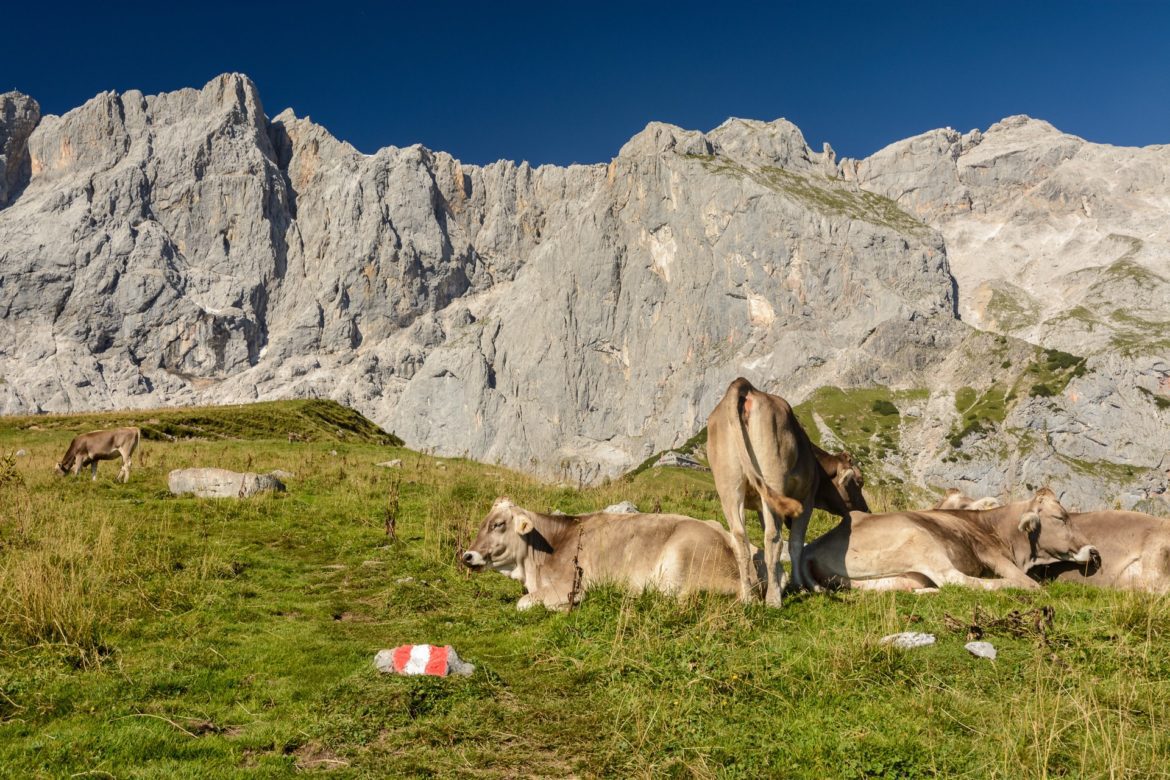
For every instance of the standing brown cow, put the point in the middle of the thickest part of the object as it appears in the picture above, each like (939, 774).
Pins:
(87, 449)
(761, 457)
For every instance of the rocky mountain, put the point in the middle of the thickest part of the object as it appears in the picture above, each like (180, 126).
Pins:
(186, 248)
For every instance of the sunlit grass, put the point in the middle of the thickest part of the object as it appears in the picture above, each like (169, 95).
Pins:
(146, 635)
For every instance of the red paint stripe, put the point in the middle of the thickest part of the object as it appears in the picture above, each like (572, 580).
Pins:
(437, 663)
(401, 657)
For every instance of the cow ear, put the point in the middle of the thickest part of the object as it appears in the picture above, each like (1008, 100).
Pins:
(1030, 522)
(522, 523)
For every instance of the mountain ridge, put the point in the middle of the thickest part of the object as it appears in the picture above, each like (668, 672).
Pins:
(565, 320)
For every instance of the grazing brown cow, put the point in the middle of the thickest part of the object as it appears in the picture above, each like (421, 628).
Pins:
(923, 550)
(762, 459)
(87, 449)
(1135, 552)
(558, 557)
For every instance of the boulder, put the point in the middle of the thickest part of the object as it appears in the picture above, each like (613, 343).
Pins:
(624, 508)
(221, 483)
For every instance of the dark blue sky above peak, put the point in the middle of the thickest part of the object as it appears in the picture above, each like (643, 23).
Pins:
(553, 82)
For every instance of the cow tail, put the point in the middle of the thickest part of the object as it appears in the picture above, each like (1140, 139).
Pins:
(783, 506)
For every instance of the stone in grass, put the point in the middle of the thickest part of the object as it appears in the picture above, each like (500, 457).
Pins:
(390, 464)
(981, 649)
(221, 483)
(908, 640)
(422, 659)
(624, 508)
(21, 453)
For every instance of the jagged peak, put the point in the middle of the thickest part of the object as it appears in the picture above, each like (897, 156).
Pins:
(1017, 121)
(660, 137)
(778, 142)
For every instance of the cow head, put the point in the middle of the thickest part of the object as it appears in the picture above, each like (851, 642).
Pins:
(849, 482)
(1045, 522)
(500, 543)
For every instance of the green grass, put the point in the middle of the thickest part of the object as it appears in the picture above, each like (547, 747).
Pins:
(311, 419)
(143, 635)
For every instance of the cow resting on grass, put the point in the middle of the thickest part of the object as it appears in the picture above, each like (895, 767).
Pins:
(558, 557)
(1135, 552)
(87, 449)
(925, 550)
(761, 458)
(954, 499)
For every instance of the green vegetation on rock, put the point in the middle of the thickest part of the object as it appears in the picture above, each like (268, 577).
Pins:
(979, 412)
(1049, 373)
(867, 421)
(1011, 307)
(822, 194)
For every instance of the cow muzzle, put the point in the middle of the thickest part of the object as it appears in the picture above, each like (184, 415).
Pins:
(1088, 554)
(473, 560)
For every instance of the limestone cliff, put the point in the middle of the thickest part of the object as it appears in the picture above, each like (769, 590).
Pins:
(185, 248)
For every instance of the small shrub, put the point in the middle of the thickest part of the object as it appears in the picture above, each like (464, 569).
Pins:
(1041, 390)
(884, 408)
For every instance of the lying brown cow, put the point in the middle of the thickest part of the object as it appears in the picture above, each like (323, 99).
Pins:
(762, 459)
(87, 449)
(1135, 552)
(921, 550)
(670, 553)
(954, 499)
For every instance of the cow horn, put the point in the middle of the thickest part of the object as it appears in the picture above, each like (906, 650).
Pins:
(1030, 522)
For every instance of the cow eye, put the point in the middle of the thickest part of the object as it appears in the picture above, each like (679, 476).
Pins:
(498, 525)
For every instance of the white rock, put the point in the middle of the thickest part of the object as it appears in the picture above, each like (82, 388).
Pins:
(413, 660)
(20, 453)
(221, 483)
(391, 464)
(624, 508)
(908, 640)
(981, 649)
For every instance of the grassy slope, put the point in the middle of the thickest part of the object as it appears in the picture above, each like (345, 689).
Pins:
(147, 636)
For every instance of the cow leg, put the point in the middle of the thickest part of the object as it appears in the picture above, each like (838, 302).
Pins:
(796, 547)
(902, 582)
(773, 541)
(734, 512)
(124, 474)
(1012, 576)
(93, 471)
(956, 577)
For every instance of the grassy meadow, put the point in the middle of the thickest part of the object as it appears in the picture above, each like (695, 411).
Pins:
(143, 635)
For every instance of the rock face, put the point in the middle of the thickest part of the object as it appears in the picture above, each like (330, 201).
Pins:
(221, 483)
(19, 115)
(186, 248)
(1050, 237)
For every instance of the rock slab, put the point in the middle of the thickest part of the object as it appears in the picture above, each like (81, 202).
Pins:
(221, 483)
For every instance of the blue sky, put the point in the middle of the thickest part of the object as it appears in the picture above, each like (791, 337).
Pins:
(556, 82)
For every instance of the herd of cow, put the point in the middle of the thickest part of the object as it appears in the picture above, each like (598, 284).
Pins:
(762, 459)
